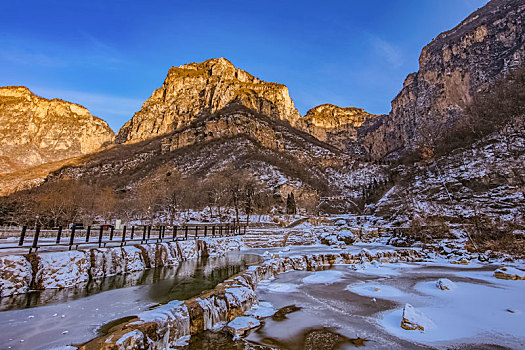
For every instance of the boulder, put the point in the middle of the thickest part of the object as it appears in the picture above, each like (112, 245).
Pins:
(415, 320)
(262, 310)
(445, 284)
(15, 275)
(509, 273)
(241, 325)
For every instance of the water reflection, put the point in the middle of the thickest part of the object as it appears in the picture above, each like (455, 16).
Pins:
(180, 282)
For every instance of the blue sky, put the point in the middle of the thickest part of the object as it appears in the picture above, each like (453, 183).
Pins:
(110, 55)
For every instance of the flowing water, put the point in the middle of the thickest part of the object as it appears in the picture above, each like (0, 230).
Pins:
(51, 318)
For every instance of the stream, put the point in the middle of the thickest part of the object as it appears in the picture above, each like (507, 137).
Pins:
(56, 318)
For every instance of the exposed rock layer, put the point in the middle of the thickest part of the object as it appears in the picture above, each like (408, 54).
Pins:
(454, 66)
(196, 88)
(333, 124)
(35, 130)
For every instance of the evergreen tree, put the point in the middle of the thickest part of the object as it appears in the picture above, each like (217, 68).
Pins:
(290, 204)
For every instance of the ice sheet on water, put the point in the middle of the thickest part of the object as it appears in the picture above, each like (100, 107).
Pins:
(281, 287)
(324, 277)
(374, 290)
(472, 309)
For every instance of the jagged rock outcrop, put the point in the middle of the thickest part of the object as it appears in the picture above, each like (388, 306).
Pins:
(453, 67)
(196, 88)
(35, 130)
(333, 124)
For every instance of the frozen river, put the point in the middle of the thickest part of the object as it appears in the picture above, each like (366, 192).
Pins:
(481, 312)
(56, 318)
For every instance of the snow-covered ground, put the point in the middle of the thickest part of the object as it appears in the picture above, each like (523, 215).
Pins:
(367, 301)
(367, 298)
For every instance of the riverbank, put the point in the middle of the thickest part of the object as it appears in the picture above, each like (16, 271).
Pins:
(165, 326)
(21, 273)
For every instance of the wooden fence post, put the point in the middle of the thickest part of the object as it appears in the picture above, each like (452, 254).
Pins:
(88, 232)
(72, 237)
(196, 231)
(111, 232)
(213, 230)
(175, 232)
(132, 231)
(35, 239)
(205, 230)
(143, 234)
(186, 232)
(123, 236)
(149, 232)
(22, 236)
(100, 232)
(59, 234)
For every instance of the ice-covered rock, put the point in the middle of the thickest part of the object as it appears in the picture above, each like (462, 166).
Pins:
(346, 235)
(262, 310)
(445, 284)
(133, 259)
(63, 269)
(15, 275)
(106, 262)
(415, 320)
(462, 261)
(509, 273)
(241, 325)
(340, 222)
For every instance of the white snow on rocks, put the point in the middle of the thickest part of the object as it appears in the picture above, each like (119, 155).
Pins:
(241, 324)
(509, 273)
(325, 277)
(445, 284)
(63, 269)
(415, 320)
(71, 268)
(15, 275)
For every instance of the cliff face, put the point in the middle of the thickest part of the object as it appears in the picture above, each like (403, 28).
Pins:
(453, 67)
(196, 88)
(332, 124)
(234, 138)
(34, 130)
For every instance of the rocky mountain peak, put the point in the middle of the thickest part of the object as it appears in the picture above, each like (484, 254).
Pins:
(196, 88)
(35, 130)
(333, 124)
(455, 66)
(331, 116)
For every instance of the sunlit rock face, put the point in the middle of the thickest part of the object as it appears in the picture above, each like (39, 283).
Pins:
(454, 66)
(196, 88)
(333, 124)
(35, 130)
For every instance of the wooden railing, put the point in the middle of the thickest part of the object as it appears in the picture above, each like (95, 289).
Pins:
(103, 235)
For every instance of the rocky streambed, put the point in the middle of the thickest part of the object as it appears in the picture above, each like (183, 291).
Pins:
(165, 326)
